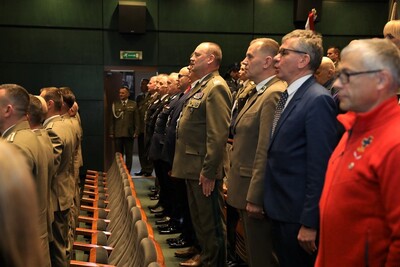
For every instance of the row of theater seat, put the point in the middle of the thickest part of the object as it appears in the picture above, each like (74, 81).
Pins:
(114, 230)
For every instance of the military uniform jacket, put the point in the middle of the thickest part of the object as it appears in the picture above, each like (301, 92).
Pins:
(53, 160)
(143, 102)
(125, 120)
(202, 130)
(26, 141)
(251, 138)
(77, 133)
(63, 186)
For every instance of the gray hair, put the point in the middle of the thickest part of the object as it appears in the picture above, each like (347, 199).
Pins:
(310, 43)
(377, 54)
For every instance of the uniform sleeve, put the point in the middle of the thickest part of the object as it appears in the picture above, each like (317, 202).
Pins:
(136, 120)
(58, 147)
(218, 111)
(255, 193)
(321, 140)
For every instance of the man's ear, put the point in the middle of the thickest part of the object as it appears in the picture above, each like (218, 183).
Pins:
(8, 111)
(268, 61)
(304, 61)
(385, 80)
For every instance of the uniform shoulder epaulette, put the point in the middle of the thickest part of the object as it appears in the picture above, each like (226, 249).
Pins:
(50, 125)
(217, 82)
(11, 137)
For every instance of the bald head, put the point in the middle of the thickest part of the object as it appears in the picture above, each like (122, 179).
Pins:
(325, 71)
(206, 58)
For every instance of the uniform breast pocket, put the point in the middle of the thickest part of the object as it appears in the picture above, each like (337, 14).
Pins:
(246, 172)
(194, 103)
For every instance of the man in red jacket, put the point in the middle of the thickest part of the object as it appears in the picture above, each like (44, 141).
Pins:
(360, 203)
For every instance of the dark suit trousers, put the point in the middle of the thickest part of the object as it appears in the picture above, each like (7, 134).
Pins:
(232, 219)
(145, 163)
(208, 222)
(183, 210)
(124, 145)
(258, 241)
(286, 246)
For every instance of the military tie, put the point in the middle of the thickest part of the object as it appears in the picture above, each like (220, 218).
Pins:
(279, 109)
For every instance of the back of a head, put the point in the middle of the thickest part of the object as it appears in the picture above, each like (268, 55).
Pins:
(54, 94)
(35, 111)
(19, 242)
(310, 43)
(392, 28)
(68, 96)
(18, 97)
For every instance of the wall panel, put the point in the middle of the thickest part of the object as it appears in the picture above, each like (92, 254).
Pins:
(38, 45)
(83, 79)
(206, 16)
(52, 13)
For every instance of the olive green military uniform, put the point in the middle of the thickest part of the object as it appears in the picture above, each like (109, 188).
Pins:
(124, 125)
(62, 188)
(202, 132)
(26, 141)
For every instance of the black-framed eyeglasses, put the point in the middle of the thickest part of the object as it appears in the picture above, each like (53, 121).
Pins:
(285, 51)
(344, 75)
(181, 75)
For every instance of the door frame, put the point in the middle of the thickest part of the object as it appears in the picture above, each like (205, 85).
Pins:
(109, 96)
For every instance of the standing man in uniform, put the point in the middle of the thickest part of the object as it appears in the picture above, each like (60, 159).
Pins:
(63, 187)
(251, 132)
(36, 115)
(142, 101)
(14, 126)
(202, 132)
(302, 139)
(125, 125)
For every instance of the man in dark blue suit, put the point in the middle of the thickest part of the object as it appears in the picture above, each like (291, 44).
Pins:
(302, 139)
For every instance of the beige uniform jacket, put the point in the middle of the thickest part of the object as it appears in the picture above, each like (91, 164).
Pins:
(53, 160)
(143, 102)
(202, 130)
(251, 138)
(27, 142)
(63, 186)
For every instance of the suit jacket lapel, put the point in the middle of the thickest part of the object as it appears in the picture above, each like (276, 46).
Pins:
(253, 98)
(200, 85)
(292, 104)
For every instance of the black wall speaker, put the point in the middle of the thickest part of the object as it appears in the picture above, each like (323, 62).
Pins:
(302, 7)
(132, 17)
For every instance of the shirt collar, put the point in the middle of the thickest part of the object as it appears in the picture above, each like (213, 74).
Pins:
(260, 85)
(292, 88)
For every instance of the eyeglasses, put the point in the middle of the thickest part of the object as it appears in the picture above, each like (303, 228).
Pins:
(285, 51)
(181, 75)
(344, 75)
(389, 36)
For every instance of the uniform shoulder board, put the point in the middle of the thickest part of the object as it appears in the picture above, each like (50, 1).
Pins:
(11, 137)
(50, 125)
(217, 82)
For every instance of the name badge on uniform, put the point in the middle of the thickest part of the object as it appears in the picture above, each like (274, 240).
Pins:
(198, 95)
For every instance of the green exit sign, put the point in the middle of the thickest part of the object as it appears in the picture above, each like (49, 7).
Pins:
(131, 55)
